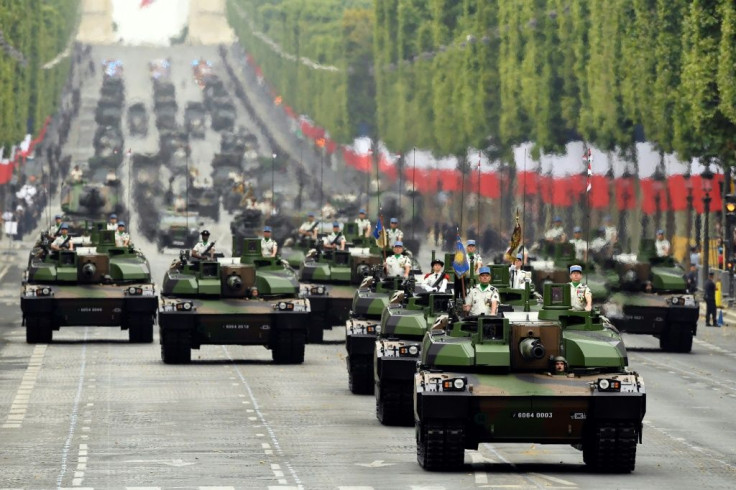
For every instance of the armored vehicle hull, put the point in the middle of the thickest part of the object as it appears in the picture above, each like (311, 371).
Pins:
(233, 321)
(360, 340)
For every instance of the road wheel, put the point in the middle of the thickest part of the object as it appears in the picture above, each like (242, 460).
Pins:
(440, 445)
(176, 348)
(395, 404)
(38, 331)
(288, 347)
(611, 447)
(360, 374)
(140, 329)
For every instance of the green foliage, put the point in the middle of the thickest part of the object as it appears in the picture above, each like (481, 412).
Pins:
(35, 32)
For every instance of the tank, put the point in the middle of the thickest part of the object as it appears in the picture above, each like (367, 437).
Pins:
(553, 265)
(108, 141)
(223, 115)
(668, 312)
(338, 272)
(274, 278)
(216, 303)
(96, 284)
(493, 379)
(177, 229)
(138, 120)
(85, 201)
(194, 119)
(205, 200)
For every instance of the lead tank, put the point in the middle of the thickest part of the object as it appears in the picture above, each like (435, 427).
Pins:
(494, 379)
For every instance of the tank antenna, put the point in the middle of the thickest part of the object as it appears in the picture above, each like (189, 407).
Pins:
(186, 187)
(129, 190)
(523, 212)
(588, 159)
(477, 204)
(413, 189)
(462, 188)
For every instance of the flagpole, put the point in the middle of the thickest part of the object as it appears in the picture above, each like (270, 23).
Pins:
(462, 189)
(413, 190)
(523, 212)
(587, 206)
(477, 226)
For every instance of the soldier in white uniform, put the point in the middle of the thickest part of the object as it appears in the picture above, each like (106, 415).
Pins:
(517, 276)
(335, 240)
(364, 224)
(268, 244)
(581, 247)
(55, 228)
(398, 264)
(556, 233)
(600, 242)
(437, 280)
(482, 299)
(112, 224)
(308, 229)
(580, 296)
(394, 233)
(204, 247)
(662, 244)
(474, 258)
(610, 230)
(122, 238)
(63, 240)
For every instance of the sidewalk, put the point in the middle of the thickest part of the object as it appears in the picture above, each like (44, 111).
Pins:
(729, 314)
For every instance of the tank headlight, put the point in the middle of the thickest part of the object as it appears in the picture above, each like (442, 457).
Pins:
(603, 384)
(609, 385)
(45, 291)
(413, 350)
(320, 290)
(282, 305)
(675, 300)
(185, 306)
(454, 384)
(458, 384)
(131, 290)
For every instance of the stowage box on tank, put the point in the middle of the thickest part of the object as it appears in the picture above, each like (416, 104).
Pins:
(494, 379)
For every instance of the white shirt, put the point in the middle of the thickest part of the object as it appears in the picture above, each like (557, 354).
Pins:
(611, 234)
(580, 248)
(309, 226)
(394, 235)
(364, 226)
(430, 280)
(517, 278)
(54, 230)
(476, 261)
(112, 227)
(121, 239)
(268, 247)
(555, 234)
(61, 239)
(480, 299)
(200, 247)
(396, 266)
(577, 296)
(663, 247)
(334, 239)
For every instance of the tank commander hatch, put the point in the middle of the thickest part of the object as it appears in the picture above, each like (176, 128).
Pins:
(482, 299)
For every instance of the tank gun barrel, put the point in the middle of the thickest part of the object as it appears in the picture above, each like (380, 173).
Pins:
(234, 283)
(88, 270)
(532, 349)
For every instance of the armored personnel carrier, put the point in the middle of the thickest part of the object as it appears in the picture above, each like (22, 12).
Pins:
(666, 311)
(556, 376)
(96, 284)
(84, 201)
(215, 302)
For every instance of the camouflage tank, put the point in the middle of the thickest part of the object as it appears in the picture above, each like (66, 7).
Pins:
(194, 119)
(83, 201)
(96, 284)
(177, 229)
(274, 279)
(338, 272)
(206, 201)
(556, 376)
(667, 312)
(214, 303)
(403, 325)
(553, 264)
(137, 120)
(108, 142)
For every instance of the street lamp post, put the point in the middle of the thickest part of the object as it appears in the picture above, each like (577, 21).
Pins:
(689, 187)
(707, 177)
(658, 186)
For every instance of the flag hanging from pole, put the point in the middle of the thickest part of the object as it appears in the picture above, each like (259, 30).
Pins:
(588, 157)
(460, 264)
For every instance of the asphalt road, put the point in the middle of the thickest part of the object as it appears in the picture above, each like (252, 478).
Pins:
(92, 411)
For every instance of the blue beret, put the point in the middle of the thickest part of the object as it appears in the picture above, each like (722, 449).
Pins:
(335, 224)
(576, 268)
(471, 242)
(362, 211)
(557, 219)
(266, 228)
(577, 229)
(484, 270)
(113, 215)
(121, 223)
(310, 214)
(58, 216)
(64, 226)
(398, 244)
(660, 232)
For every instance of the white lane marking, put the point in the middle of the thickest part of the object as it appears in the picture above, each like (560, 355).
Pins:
(480, 476)
(554, 480)
(709, 453)
(19, 406)
(265, 423)
(675, 371)
(216, 488)
(75, 410)
(504, 460)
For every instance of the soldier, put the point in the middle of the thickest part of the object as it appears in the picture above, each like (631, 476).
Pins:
(308, 229)
(55, 228)
(600, 242)
(556, 233)
(581, 247)
(63, 240)
(76, 174)
(364, 224)
(474, 258)
(180, 205)
(335, 240)
(580, 296)
(394, 234)
(517, 276)
(662, 244)
(437, 280)
(610, 230)
(112, 224)
(204, 249)
(122, 238)
(398, 264)
(483, 298)
(268, 244)
(560, 364)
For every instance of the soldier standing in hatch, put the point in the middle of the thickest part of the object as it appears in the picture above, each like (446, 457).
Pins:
(580, 296)
(63, 240)
(437, 280)
(364, 224)
(398, 264)
(268, 244)
(122, 238)
(308, 229)
(55, 229)
(482, 299)
(474, 258)
(204, 248)
(335, 240)
(112, 224)
(394, 234)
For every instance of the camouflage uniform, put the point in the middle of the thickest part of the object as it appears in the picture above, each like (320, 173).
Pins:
(268, 247)
(481, 298)
(577, 296)
(396, 265)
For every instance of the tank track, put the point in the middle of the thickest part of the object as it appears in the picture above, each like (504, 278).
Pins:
(395, 405)
(676, 338)
(441, 445)
(360, 374)
(176, 348)
(611, 447)
(288, 347)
